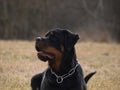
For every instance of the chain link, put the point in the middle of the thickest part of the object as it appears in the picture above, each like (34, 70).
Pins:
(59, 79)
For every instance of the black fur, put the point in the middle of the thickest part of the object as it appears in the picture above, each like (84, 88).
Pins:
(46, 80)
(89, 76)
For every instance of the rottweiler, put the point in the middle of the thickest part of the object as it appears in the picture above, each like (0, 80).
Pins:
(63, 72)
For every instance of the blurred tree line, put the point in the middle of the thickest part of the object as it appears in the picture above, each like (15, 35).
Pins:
(26, 19)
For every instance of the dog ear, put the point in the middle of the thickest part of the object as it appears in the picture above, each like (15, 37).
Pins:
(70, 39)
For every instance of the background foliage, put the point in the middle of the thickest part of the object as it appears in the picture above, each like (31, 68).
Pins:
(97, 20)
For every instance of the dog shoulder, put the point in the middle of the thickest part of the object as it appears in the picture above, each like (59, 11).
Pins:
(36, 81)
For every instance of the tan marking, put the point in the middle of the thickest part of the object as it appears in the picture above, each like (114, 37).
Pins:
(55, 64)
(43, 45)
(51, 33)
(62, 48)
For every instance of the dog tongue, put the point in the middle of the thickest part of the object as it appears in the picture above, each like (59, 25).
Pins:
(45, 55)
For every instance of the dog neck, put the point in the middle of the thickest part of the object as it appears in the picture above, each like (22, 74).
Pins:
(60, 78)
(63, 65)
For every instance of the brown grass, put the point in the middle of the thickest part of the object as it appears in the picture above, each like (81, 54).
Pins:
(18, 63)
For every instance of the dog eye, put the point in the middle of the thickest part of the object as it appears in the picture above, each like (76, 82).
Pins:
(49, 34)
(52, 36)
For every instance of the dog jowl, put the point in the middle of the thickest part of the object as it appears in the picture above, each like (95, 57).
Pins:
(63, 72)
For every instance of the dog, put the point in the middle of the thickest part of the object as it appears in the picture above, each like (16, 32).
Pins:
(63, 72)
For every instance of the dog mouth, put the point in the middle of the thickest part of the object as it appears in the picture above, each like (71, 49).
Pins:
(45, 56)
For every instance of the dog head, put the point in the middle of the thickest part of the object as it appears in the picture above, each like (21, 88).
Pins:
(55, 43)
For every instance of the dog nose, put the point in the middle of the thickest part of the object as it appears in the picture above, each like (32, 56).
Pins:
(38, 39)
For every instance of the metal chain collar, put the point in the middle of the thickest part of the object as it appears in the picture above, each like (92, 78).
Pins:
(59, 79)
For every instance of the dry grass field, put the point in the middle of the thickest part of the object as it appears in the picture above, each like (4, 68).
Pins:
(18, 63)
